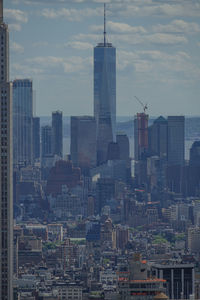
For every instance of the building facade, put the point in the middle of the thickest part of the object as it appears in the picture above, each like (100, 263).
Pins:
(36, 138)
(22, 121)
(83, 142)
(6, 163)
(176, 140)
(57, 133)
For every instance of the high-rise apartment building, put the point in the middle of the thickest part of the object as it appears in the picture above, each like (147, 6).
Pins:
(6, 174)
(104, 95)
(36, 138)
(22, 121)
(176, 140)
(57, 133)
(83, 142)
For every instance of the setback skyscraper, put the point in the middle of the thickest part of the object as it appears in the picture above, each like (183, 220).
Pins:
(104, 95)
(6, 174)
(22, 121)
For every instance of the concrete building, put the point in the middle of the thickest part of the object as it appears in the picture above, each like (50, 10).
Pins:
(176, 140)
(57, 133)
(135, 283)
(6, 166)
(104, 95)
(83, 142)
(47, 149)
(194, 239)
(22, 121)
(179, 277)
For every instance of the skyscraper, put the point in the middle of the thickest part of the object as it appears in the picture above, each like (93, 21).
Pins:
(36, 138)
(104, 95)
(57, 133)
(46, 141)
(6, 198)
(22, 121)
(140, 135)
(176, 140)
(83, 142)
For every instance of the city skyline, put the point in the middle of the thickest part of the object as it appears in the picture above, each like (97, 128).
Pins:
(157, 53)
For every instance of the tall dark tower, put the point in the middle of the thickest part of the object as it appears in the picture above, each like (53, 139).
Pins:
(104, 94)
(57, 133)
(6, 198)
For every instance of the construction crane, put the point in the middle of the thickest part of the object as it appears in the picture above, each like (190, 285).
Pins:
(145, 107)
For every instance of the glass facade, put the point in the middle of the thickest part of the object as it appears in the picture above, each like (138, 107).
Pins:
(104, 96)
(22, 121)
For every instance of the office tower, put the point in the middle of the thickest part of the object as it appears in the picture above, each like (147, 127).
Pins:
(124, 151)
(57, 133)
(22, 121)
(157, 137)
(180, 278)
(141, 136)
(36, 138)
(176, 140)
(46, 141)
(83, 142)
(104, 95)
(195, 154)
(194, 239)
(6, 198)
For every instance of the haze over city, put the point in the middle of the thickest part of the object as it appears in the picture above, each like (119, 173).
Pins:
(158, 53)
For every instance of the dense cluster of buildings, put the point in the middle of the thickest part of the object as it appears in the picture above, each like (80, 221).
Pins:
(81, 220)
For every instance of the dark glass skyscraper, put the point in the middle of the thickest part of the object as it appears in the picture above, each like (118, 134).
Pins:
(22, 121)
(104, 95)
(6, 174)
(57, 133)
(36, 138)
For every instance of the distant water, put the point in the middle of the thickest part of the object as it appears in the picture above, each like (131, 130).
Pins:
(188, 144)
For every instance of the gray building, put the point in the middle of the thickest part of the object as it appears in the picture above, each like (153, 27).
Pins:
(46, 141)
(83, 142)
(180, 279)
(6, 164)
(22, 121)
(104, 96)
(57, 133)
(36, 138)
(176, 140)
(157, 137)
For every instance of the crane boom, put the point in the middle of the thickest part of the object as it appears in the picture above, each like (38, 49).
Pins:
(145, 107)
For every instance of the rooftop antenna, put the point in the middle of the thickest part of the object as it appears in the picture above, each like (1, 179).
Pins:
(104, 33)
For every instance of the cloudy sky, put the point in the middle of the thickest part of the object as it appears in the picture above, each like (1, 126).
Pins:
(158, 53)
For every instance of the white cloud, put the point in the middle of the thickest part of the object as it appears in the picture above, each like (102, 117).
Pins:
(79, 45)
(178, 26)
(16, 15)
(71, 14)
(15, 47)
(15, 27)
(119, 28)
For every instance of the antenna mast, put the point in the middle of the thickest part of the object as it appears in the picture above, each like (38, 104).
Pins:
(104, 33)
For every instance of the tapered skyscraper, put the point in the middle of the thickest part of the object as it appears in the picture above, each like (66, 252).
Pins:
(104, 95)
(6, 213)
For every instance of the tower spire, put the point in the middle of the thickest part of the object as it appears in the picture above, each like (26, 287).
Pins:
(1, 11)
(104, 33)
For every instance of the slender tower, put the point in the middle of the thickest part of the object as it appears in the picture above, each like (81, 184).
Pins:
(6, 197)
(104, 95)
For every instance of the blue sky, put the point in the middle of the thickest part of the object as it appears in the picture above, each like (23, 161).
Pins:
(158, 53)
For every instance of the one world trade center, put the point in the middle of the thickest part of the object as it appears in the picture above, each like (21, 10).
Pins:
(104, 95)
